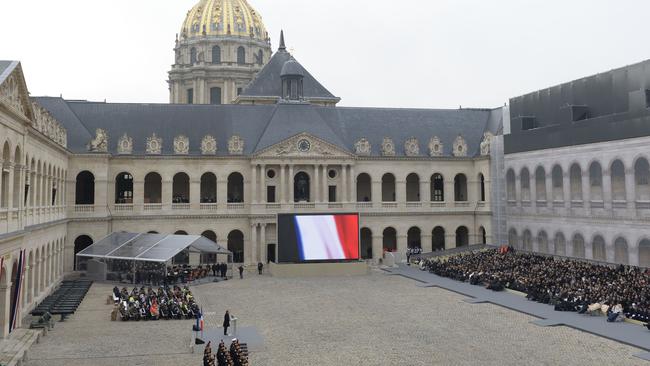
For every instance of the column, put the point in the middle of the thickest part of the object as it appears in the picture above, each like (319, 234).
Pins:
(426, 240)
(566, 189)
(377, 247)
(607, 189)
(344, 179)
(376, 191)
(533, 191)
(316, 195)
(324, 184)
(254, 244)
(5, 297)
(254, 183)
(138, 194)
(630, 188)
(400, 191)
(166, 193)
(10, 189)
(425, 194)
(352, 185)
(195, 194)
(222, 190)
(263, 197)
(586, 190)
(282, 187)
(402, 244)
(263, 246)
(449, 194)
(290, 183)
(518, 190)
(549, 190)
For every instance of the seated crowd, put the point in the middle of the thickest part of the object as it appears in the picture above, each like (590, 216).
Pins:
(568, 285)
(234, 356)
(147, 304)
(154, 274)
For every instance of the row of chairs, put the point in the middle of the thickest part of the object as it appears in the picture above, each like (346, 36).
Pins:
(65, 300)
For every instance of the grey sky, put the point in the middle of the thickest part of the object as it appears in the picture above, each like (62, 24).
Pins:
(408, 53)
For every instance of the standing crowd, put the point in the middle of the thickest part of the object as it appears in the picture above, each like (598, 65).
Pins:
(618, 292)
(235, 356)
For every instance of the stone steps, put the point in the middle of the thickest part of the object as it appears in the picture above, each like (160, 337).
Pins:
(13, 350)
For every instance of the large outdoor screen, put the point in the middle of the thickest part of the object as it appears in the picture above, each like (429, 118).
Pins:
(317, 237)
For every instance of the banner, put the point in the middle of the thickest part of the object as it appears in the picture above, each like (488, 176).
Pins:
(18, 281)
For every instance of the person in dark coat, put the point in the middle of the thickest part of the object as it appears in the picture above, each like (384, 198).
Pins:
(260, 266)
(226, 323)
(224, 269)
(241, 272)
(214, 270)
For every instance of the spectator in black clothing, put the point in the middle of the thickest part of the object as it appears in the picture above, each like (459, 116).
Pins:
(214, 270)
(226, 323)
(241, 272)
(260, 266)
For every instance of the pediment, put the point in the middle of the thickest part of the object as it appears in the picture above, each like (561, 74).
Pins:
(303, 145)
(13, 92)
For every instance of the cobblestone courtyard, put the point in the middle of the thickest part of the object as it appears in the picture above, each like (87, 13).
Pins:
(369, 320)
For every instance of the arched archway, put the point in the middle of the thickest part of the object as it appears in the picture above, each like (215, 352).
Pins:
(389, 239)
(364, 190)
(235, 188)
(17, 177)
(412, 188)
(557, 179)
(513, 239)
(510, 185)
(462, 237)
(80, 243)
(216, 55)
(438, 238)
(209, 257)
(413, 237)
(366, 243)
(560, 244)
(642, 179)
(542, 242)
(575, 182)
(241, 55)
(301, 187)
(595, 182)
(84, 188)
(388, 188)
(153, 188)
(644, 253)
(124, 188)
(527, 240)
(460, 187)
(620, 251)
(181, 188)
(481, 187)
(578, 246)
(208, 188)
(483, 234)
(182, 257)
(540, 184)
(598, 250)
(618, 181)
(236, 245)
(524, 178)
(4, 193)
(209, 234)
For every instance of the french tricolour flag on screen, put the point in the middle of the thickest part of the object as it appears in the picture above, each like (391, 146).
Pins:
(328, 237)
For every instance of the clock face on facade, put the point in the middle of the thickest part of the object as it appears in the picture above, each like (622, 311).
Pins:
(304, 145)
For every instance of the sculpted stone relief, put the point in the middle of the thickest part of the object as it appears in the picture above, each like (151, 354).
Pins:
(412, 147)
(387, 147)
(46, 124)
(100, 142)
(486, 143)
(208, 145)
(435, 146)
(303, 146)
(154, 144)
(181, 145)
(10, 92)
(460, 146)
(363, 147)
(236, 145)
(125, 145)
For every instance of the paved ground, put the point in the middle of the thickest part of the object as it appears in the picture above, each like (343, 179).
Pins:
(370, 320)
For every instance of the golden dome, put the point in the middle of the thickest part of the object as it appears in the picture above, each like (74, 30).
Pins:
(223, 18)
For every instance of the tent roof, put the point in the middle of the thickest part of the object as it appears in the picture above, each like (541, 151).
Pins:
(149, 247)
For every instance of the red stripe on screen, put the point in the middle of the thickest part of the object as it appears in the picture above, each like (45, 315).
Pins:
(347, 227)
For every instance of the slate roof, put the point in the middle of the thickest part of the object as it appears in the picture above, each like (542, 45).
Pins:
(262, 126)
(268, 83)
(6, 67)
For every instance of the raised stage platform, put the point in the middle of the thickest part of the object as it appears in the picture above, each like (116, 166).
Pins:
(292, 270)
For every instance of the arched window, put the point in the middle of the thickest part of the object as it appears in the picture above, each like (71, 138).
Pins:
(558, 183)
(181, 188)
(524, 178)
(216, 55)
(192, 56)
(481, 189)
(364, 188)
(620, 251)
(413, 238)
(17, 181)
(235, 188)
(540, 184)
(595, 182)
(483, 234)
(389, 239)
(642, 179)
(511, 185)
(437, 188)
(260, 57)
(80, 243)
(412, 188)
(644, 253)
(241, 55)
(560, 244)
(460, 187)
(152, 188)
(301, 183)
(208, 188)
(6, 158)
(513, 239)
(462, 237)
(438, 238)
(575, 182)
(618, 181)
(527, 240)
(542, 242)
(124, 188)
(85, 188)
(388, 188)
(366, 243)
(236, 245)
(598, 249)
(578, 246)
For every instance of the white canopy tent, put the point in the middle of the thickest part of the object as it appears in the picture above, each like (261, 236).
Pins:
(155, 248)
